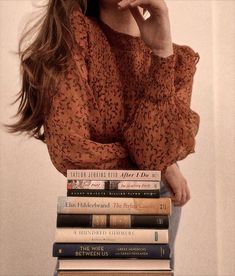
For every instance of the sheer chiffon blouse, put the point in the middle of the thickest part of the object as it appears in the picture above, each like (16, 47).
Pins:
(119, 106)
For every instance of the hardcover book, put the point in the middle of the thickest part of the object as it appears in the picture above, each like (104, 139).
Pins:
(112, 221)
(115, 273)
(111, 235)
(114, 205)
(102, 250)
(144, 175)
(114, 193)
(113, 264)
(113, 183)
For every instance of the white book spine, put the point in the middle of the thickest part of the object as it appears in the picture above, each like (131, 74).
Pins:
(111, 235)
(140, 175)
(114, 264)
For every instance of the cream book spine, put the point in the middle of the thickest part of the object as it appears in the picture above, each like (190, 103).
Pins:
(111, 264)
(113, 205)
(111, 235)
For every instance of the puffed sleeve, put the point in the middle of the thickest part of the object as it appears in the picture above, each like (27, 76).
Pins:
(164, 126)
(73, 110)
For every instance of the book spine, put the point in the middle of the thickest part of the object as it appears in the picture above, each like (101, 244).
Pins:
(140, 251)
(113, 205)
(115, 273)
(112, 221)
(114, 193)
(143, 175)
(112, 185)
(113, 264)
(111, 235)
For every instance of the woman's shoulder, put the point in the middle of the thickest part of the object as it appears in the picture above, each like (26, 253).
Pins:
(85, 28)
(79, 27)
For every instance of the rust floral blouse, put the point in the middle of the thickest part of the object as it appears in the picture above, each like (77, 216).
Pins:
(119, 106)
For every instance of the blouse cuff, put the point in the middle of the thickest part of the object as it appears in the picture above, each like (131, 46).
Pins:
(160, 80)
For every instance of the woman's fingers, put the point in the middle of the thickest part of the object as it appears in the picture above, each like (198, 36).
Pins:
(188, 193)
(178, 185)
(124, 3)
(182, 194)
(133, 9)
(151, 5)
(136, 3)
(138, 16)
(177, 194)
(184, 197)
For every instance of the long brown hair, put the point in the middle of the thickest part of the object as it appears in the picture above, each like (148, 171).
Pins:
(43, 59)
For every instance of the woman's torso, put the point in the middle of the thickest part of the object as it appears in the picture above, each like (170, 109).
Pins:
(117, 65)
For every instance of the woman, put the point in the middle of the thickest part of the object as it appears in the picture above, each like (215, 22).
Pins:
(111, 90)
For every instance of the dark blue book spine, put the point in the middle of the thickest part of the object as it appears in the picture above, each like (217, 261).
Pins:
(140, 251)
(115, 193)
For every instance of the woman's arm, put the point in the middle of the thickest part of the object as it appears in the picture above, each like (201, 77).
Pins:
(74, 116)
(165, 108)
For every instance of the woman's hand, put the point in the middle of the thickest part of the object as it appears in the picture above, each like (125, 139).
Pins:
(155, 30)
(178, 185)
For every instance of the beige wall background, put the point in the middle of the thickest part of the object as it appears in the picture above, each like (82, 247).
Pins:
(30, 184)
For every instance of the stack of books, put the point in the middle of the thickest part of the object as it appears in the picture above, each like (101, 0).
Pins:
(113, 222)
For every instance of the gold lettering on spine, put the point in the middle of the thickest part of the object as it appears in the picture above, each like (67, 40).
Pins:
(162, 251)
(91, 251)
(99, 221)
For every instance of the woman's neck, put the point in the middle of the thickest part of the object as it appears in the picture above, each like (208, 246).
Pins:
(119, 20)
